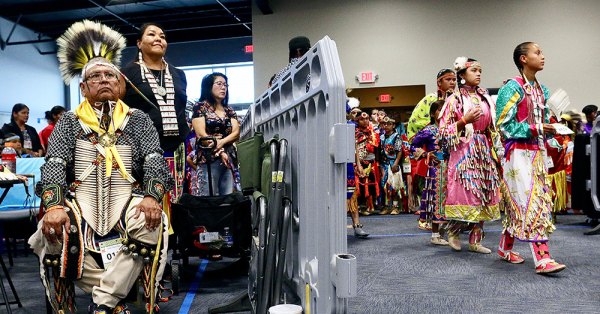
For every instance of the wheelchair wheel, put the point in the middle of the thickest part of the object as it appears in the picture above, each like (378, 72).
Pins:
(175, 276)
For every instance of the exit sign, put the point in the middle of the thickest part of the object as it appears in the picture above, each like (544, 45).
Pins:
(367, 77)
(385, 98)
(249, 48)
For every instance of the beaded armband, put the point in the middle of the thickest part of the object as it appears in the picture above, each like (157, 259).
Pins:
(156, 189)
(152, 155)
(58, 160)
(55, 207)
(53, 195)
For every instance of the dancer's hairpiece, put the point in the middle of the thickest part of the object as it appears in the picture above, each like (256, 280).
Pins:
(88, 41)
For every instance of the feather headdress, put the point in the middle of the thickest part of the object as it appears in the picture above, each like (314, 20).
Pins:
(84, 41)
(571, 115)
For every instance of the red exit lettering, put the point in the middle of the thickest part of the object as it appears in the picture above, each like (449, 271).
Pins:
(385, 98)
(366, 76)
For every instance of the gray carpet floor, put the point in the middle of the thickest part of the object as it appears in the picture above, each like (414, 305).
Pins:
(399, 271)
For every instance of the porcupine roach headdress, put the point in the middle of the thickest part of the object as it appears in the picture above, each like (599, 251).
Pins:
(85, 41)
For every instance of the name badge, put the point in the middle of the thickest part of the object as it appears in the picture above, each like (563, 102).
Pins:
(549, 162)
(209, 237)
(27, 144)
(109, 249)
(406, 167)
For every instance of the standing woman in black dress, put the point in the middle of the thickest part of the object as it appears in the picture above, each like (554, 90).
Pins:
(159, 89)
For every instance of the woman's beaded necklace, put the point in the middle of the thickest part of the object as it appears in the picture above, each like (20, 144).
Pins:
(165, 96)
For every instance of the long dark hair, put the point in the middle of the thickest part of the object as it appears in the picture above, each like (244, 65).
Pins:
(56, 110)
(16, 108)
(434, 107)
(521, 50)
(206, 89)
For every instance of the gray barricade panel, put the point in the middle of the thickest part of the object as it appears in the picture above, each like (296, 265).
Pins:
(311, 116)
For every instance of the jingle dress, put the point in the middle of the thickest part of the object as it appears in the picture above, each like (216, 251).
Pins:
(473, 177)
(434, 191)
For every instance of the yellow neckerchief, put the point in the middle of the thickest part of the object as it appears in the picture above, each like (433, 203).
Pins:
(86, 114)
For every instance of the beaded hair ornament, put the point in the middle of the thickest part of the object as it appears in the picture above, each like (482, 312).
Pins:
(462, 63)
(88, 43)
(444, 73)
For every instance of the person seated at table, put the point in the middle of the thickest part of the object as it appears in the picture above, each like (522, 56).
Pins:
(102, 184)
(27, 134)
(13, 140)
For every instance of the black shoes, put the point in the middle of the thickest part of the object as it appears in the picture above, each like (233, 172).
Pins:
(594, 231)
(121, 308)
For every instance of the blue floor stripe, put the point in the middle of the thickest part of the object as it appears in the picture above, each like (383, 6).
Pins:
(189, 297)
(427, 233)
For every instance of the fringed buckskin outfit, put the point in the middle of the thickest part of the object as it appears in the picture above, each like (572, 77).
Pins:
(99, 179)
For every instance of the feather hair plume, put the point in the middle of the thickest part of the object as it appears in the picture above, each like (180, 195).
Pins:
(460, 63)
(353, 102)
(84, 41)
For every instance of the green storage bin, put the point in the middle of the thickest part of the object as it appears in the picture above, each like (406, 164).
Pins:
(250, 159)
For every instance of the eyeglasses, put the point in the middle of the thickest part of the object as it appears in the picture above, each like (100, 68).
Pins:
(221, 84)
(99, 76)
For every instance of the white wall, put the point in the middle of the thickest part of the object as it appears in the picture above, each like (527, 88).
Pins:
(407, 41)
(28, 77)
